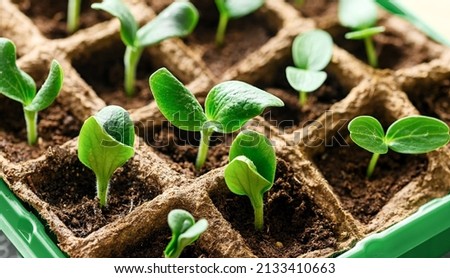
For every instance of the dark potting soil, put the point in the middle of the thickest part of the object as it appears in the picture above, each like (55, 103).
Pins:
(76, 203)
(56, 125)
(237, 44)
(345, 167)
(433, 100)
(389, 46)
(316, 8)
(292, 116)
(180, 149)
(104, 72)
(293, 223)
(51, 16)
(153, 247)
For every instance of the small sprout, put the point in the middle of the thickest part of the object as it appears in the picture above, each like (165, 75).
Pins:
(232, 9)
(228, 106)
(251, 170)
(409, 135)
(361, 16)
(311, 52)
(185, 231)
(105, 143)
(73, 15)
(299, 3)
(19, 86)
(177, 20)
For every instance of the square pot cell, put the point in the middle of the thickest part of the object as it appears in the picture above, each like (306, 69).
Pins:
(103, 70)
(51, 16)
(293, 223)
(75, 203)
(293, 116)
(344, 165)
(390, 45)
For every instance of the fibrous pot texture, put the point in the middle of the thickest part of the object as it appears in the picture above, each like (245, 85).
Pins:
(321, 202)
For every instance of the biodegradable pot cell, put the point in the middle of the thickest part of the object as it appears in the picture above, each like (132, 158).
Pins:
(310, 212)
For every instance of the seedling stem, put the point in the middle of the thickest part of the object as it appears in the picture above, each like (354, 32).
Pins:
(131, 60)
(31, 122)
(205, 135)
(73, 15)
(221, 28)
(102, 187)
(303, 98)
(372, 164)
(371, 53)
(258, 210)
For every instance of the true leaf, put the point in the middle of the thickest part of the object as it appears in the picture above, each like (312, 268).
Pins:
(14, 83)
(176, 102)
(238, 8)
(49, 90)
(357, 14)
(305, 80)
(312, 50)
(128, 25)
(117, 123)
(417, 134)
(177, 20)
(367, 132)
(233, 103)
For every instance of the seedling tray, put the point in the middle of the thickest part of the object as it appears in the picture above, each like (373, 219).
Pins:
(303, 187)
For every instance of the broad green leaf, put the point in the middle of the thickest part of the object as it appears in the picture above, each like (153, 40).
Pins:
(14, 83)
(176, 102)
(233, 103)
(117, 123)
(417, 134)
(179, 221)
(192, 233)
(357, 14)
(367, 132)
(312, 50)
(364, 33)
(305, 80)
(128, 25)
(49, 90)
(177, 20)
(258, 149)
(242, 178)
(238, 8)
(99, 151)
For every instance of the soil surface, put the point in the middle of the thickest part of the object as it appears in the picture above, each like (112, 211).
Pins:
(50, 16)
(105, 74)
(76, 204)
(237, 44)
(56, 125)
(180, 149)
(316, 8)
(389, 46)
(345, 170)
(433, 101)
(153, 247)
(292, 116)
(293, 223)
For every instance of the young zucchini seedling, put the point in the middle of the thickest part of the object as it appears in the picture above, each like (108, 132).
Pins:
(311, 52)
(361, 16)
(232, 9)
(409, 135)
(228, 106)
(185, 231)
(19, 86)
(251, 170)
(73, 15)
(105, 144)
(177, 20)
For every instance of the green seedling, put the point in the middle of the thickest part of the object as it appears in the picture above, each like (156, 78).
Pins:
(73, 15)
(409, 135)
(105, 143)
(177, 20)
(361, 17)
(299, 3)
(185, 231)
(228, 106)
(19, 86)
(232, 9)
(311, 52)
(251, 170)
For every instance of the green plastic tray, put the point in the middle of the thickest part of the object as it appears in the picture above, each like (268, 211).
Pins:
(25, 231)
